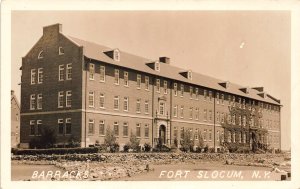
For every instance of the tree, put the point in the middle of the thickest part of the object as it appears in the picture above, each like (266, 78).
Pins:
(187, 142)
(201, 141)
(134, 142)
(110, 140)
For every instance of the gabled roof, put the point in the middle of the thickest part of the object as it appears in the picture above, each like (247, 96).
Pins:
(95, 51)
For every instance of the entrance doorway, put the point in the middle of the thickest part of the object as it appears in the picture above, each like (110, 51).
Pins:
(162, 134)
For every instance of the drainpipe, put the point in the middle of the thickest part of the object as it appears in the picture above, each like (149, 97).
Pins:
(214, 120)
(152, 111)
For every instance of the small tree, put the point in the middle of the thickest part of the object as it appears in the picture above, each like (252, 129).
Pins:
(201, 141)
(187, 143)
(134, 142)
(110, 140)
(48, 138)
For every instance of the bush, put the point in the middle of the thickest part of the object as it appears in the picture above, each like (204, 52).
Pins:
(110, 140)
(59, 151)
(243, 149)
(126, 147)
(147, 147)
(186, 143)
(134, 143)
(206, 148)
(162, 148)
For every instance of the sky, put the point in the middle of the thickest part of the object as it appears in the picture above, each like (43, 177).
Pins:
(250, 48)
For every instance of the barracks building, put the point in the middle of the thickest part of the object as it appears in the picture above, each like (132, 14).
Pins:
(79, 88)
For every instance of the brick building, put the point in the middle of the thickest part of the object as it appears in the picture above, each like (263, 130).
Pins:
(79, 88)
(15, 120)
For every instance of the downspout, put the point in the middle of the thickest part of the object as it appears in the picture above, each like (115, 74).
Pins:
(171, 108)
(85, 92)
(214, 120)
(153, 111)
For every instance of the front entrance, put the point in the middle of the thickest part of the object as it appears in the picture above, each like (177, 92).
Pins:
(162, 134)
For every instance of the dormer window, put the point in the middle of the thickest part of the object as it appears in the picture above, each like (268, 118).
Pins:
(41, 54)
(225, 84)
(116, 55)
(189, 74)
(157, 66)
(61, 51)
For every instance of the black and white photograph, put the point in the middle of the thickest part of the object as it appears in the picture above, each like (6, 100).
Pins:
(112, 95)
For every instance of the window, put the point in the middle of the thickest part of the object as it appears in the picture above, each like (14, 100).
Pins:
(146, 130)
(181, 132)
(61, 69)
(138, 81)
(60, 126)
(69, 72)
(233, 119)
(39, 127)
(32, 102)
(222, 134)
(101, 127)
(175, 134)
(32, 127)
(117, 77)
(165, 87)
(218, 135)
(229, 100)
(244, 137)
(205, 115)
(240, 120)
(116, 103)
(91, 99)
(218, 100)
(210, 96)
(229, 119)
(92, 71)
(222, 99)
(233, 101)
(33, 76)
(126, 104)
(126, 81)
(41, 54)
(210, 135)
(102, 73)
(191, 92)
(147, 86)
(91, 126)
(60, 99)
(116, 128)
(175, 111)
(222, 118)
(191, 112)
(196, 134)
(229, 137)
(157, 66)
(244, 103)
(210, 115)
(244, 121)
(205, 135)
(181, 111)
(138, 130)
(240, 102)
(102, 100)
(157, 85)
(125, 129)
(205, 94)
(197, 93)
(240, 137)
(218, 117)
(162, 108)
(146, 106)
(181, 90)
(61, 51)
(175, 89)
(197, 114)
(138, 105)
(68, 126)
(68, 98)
(233, 137)
(39, 101)
(40, 75)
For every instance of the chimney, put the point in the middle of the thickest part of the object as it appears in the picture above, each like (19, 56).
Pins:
(164, 59)
(52, 29)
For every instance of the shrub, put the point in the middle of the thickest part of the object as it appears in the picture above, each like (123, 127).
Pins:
(126, 147)
(134, 143)
(110, 140)
(50, 151)
(147, 147)
(162, 148)
(206, 148)
(186, 143)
